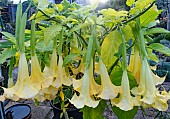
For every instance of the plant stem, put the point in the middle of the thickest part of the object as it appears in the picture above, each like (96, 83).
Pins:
(124, 59)
(115, 63)
(60, 43)
(11, 67)
(66, 115)
(32, 38)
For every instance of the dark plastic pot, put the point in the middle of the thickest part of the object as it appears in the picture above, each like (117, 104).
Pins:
(72, 114)
(18, 111)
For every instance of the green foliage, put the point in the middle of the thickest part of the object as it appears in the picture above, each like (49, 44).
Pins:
(156, 30)
(42, 4)
(94, 113)
(6, 54)
(125, 114)
(161, 48)
(10, 37)
(116, 77)
(110, 46)
(69, 58)
(51, 32)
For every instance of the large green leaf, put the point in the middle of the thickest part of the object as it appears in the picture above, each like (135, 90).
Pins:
(7, 54)
(110, 46)
(51, 32)
(149, 16)
(94, 113)
(161, 48)
(116, 77)
(125, 114)
(10, 37)
(156, 30)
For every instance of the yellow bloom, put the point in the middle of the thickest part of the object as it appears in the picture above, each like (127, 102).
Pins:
(125, 101)
(85, 97)
(147, 89)
(62, 77)
(37, 77)
(24, 88)
(135, 65)
(51, 72)
(108, 90)
(94, 87)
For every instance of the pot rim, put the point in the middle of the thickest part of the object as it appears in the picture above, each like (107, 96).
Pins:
(20, 104)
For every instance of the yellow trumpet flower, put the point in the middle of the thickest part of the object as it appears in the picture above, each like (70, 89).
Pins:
(36, 74)
(51, 72)
(148, 91)
(62, 77)
(94, 87)
(125, 101)
(108, 90)
(85, 97)
(24, 88)
(135, 65)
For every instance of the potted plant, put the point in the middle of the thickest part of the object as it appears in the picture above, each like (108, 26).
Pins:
(79, 59)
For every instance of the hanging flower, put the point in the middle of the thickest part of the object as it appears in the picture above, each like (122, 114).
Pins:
(51, 72)
(87, 87)
(147, 90)
(94, 87)
(125, 101)
(108, 90)
(135, 64)
(24, 87)
(62, 77)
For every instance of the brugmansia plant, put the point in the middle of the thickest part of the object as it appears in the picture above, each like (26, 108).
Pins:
(101, 56)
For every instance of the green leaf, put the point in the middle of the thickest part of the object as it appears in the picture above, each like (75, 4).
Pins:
(130, 2)
(42, 47)
(149, 16)
(7, 54)
(5, 44)
(42, 4)
(110, 46)
(156, 30)
(161, 48)
(69, 58)
(51, 32)
(10, 37)
(94, 113)
(151, 55)
(116, 77)
(125, 114)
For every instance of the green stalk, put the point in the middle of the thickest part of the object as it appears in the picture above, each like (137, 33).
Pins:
(124, 58)
(22, 32)
(89, 53)
(18, 22)
(60, 43)
(33, 40)
(96, 42)
(11, 67)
